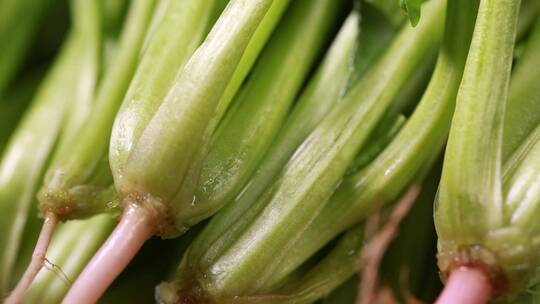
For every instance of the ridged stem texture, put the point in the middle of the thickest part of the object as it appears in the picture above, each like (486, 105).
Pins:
(474, 221)
(266, 230)
(78, 182)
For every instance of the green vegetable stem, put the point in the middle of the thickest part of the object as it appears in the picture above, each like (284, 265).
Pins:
(77, 170)
(64, 92)
(407, 156)
(321, 94)
(156, 144)
(479, 228)
(78, 182)
(250, 247)
(257, 113)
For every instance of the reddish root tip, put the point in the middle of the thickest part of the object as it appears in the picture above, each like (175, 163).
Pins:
(37, 262)
(375, 250)
(466, 285)
(134, 228)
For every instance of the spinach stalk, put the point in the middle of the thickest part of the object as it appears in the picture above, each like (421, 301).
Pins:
(78, 183)
(65, 185)
(225, 261)
(407, 155)
(256, 115)
(149, 168)
(321, 94)
(69, 81)
(471, 216)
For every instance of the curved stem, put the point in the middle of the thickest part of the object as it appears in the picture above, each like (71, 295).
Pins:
(38, 259)
(375, 250)
(134, 229)
(466, 285)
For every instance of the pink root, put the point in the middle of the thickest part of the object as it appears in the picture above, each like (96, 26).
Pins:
(466, 285)
(134, 228)
(37, 262)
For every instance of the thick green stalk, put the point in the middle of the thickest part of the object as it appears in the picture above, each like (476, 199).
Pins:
(514, 270)
(261, 106)
(149, 172)
(523, 96)
(164, 59)
(470, 211)
(380, 91)
(72, 246)
(185, 21)
(78, 182)
(179, 130)
(266, 233)
(88, 21)
(321, 94)
(19, 22)
(169, 146)
(255, 46)
(412, 151)
(30, 147)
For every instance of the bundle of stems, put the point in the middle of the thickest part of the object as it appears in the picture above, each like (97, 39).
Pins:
(278, 144)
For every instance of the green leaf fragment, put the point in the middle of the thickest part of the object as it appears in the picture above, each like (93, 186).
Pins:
(412, 8)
